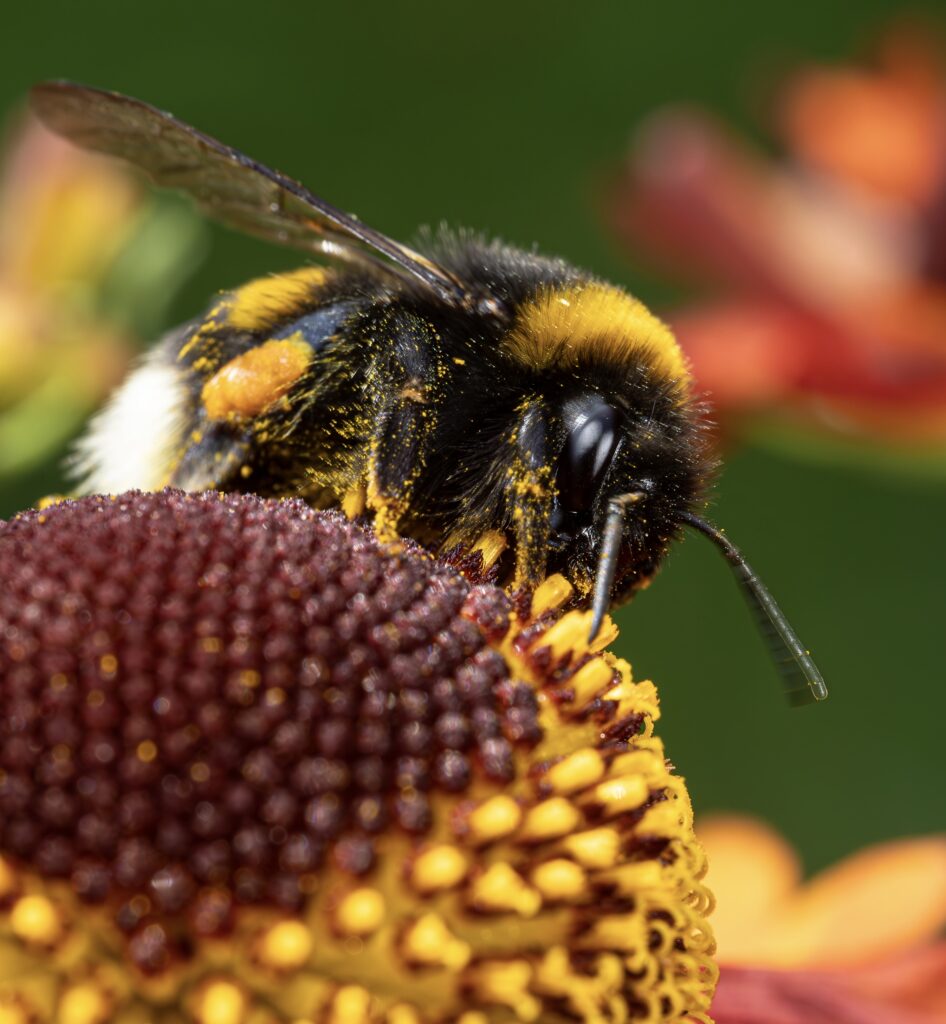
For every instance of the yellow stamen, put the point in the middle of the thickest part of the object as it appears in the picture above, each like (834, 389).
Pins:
(430, 943)
(491, 545)
(35, 919)
(560, 879)
(502, 888)
(220, 1002)
(494, 818)
(507, 983)
(625, 932)
(623, 794)
(596, 848)
(439, 867)
(550, 819)
(589, 681)
(285, 946)
(360, 913)
(84, 1003)
(551, 594)
(14, 1011)
(567, 636)
(402, 1014)
(351, 1005)
(577, 771)
(634, 878)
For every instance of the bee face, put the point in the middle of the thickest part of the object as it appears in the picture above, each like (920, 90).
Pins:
(473, 396)
(614, 447)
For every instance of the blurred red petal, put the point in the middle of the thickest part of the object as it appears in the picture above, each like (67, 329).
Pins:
(750, 996)
(696, 200)
(747, 354)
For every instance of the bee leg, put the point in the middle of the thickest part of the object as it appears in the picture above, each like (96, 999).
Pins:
(530, 493)
(395, 462)
(406, 382)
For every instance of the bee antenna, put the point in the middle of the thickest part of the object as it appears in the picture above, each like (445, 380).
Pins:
(803, 681)
(611, 539)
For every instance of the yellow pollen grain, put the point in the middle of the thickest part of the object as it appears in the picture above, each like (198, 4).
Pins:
(429, 943)
(249, 677)
(440, 867)
(354, 501)
(95, 698)
(351, 1005)
(276, 695)
(35, 919)
(551, 594)
(560, 879)
(494, 818)
(590, 680)
(361, 912)
(146, 751)
(221, 1002)
(578, 770)
(267, 300)
(597, 848)
(108, 664)
(199, 771)
(7, 878)
(285, 946)
(500, 887)
(211, 644)
(507, 983)
(550, 819)
(253, 381)
(84, 1003)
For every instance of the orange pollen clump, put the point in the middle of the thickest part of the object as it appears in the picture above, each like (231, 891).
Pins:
(253, 381)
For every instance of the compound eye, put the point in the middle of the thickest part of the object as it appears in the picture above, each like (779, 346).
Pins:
(586, 457)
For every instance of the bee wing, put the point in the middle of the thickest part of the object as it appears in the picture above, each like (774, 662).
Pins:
(225, 183)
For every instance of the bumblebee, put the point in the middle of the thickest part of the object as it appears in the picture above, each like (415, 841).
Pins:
(472, 396)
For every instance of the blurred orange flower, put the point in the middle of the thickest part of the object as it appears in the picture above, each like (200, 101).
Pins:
(87, 260)
(829, 267)
(858, 944)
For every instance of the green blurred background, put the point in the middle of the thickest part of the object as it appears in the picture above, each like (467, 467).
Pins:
(507, 117)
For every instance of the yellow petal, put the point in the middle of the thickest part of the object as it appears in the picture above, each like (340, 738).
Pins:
(752, 871)
(883, 900)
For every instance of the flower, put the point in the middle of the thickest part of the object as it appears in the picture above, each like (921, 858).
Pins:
(257, 767)
(827, 304)
(86, 263)
(858, 944)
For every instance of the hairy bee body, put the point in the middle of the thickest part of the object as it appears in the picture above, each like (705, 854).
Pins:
(448, 425)
(475, 397)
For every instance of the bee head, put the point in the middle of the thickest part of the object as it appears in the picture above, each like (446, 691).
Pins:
(638, 458)
(627, 483)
